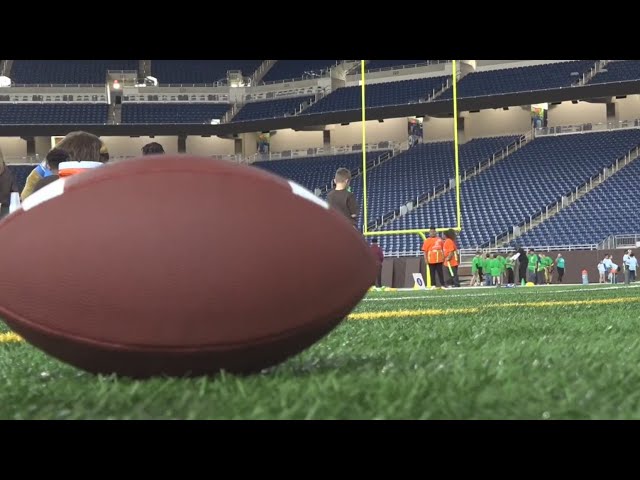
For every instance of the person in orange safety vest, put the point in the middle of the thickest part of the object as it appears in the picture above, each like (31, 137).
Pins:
(433, 249)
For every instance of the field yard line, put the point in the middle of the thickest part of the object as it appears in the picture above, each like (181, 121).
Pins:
(467, 295)
(9, 337)
(444, 311)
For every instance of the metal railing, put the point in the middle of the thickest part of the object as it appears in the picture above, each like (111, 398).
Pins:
(426, 63)
(57, 85)
(312, 74)
(586, 128)
(324, 151)
(612, 242)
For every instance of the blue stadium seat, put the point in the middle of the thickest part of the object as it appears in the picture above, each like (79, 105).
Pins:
(67, 71)
(270, 108)
(293, 69)
(522, 185)
(519, 79)
(378, 95)
(53, 113)
(156, 113)
(618, 71)
(199, 71)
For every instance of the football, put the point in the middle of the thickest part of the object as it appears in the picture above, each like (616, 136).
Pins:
(178, 265)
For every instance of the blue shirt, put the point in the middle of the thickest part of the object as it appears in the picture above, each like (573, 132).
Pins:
(43, 172)
(632, 264)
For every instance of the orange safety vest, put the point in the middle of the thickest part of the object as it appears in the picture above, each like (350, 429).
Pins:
(433, 251)
(450, 246)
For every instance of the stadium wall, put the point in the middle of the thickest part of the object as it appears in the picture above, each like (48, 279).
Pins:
(392, 129)
(491, 123)
(568, 113)
(437, 129)
(289, 139)
(628, 108)
(127, 146)
(210, 146)
(13, 147)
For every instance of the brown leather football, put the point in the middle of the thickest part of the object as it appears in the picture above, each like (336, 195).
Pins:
(178, 265)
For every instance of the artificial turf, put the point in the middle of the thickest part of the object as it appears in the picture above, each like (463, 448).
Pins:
(486, 353)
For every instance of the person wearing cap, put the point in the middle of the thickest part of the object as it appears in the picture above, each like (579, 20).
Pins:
(8, 185)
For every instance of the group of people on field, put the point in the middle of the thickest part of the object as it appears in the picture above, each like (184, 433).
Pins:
(608, 270)
(493, 269)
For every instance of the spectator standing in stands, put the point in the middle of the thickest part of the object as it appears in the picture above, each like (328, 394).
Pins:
(54, 158)
(433, 249)
(341, 199)
(379, 256)
(8, 185)
(632, 266)
(153, 148)
(560, 267)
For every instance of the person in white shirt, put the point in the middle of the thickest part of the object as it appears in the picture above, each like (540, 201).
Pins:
(613, 273)
(601, 271)
(625, 260)
(632, 267)
(607, 265)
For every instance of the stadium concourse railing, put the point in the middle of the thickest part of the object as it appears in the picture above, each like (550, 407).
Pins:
(443, 188)
(310, 75)
(426, 63)
(564, 200)
(613, 242)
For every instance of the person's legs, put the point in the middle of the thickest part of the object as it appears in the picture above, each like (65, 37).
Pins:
(440, 273)
(560, 274)
(456, 280)
(432, 274)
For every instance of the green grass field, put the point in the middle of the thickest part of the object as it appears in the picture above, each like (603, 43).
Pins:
(567, 352)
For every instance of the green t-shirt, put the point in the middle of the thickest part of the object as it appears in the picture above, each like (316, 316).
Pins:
(533, 260)
(508, 263)
(486, 264)
(496, 267)
(544, 262)
(475, 264)
(560, 262)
